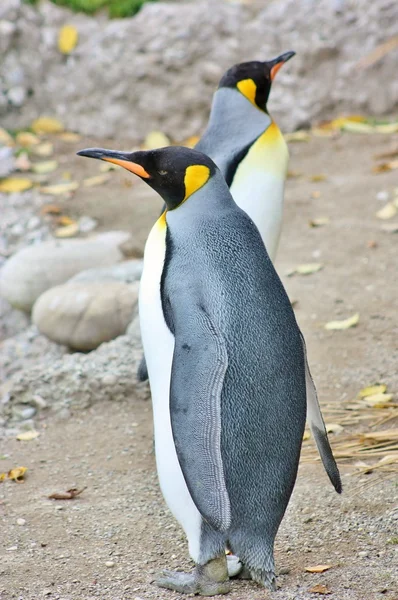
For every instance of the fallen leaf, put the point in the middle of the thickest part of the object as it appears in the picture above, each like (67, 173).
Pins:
(191, 141)
(344, 324)
(379, 400)
(27, 139)
(385, 167)
(390, 227)
(46, 166)
(64, 220)
(334, 428)
(50, 209)
(386, 155)
(319, 177)
(22, 162)
(59, 188)
(340, 122)
(319, 568)
(293, 174)
(68, 495)
(298, 136)
(44, 149)
(386, 128)
(28, 436)
(371, 390)
(308, 268)
(67, 231)
(3, 476)
(319, 589)
(306, 436)
(354, 127)
(67, 39)
(388, 211)
(17, 474)
(377, 53)
(155, 139)
(47, 125)
(13, 184)
(5, 138)
(96, 180)
(69, 136)
(319, 222)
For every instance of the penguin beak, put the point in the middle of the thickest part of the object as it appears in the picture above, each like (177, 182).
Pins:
(123, 159)
(276, 64)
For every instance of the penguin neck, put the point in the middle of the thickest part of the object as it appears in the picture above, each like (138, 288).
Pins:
(234, 125)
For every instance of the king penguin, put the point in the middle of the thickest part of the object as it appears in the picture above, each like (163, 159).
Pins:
(227, 369)
(249, 149)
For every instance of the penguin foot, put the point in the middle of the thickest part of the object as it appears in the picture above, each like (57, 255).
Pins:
(236, 568)
(205, 580)
(264, 578)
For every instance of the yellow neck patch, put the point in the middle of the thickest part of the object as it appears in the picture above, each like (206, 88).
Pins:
(248, 88)
(195, 177)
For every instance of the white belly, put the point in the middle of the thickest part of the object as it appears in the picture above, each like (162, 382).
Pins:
(258, 186)
(158, 344)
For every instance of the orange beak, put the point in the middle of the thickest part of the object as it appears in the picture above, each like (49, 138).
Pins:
(122, 159)
(277, 63)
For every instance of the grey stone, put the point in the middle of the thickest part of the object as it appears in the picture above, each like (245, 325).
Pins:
(16, 95)
(33, 270)
(84, 315)
(178, 50)
(128, 271)
(21, 412)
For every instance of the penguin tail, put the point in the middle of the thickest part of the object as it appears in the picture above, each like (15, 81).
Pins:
(318, 428)
(142, 371)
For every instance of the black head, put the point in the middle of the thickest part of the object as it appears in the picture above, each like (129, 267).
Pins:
(254, 79)
(175, 172)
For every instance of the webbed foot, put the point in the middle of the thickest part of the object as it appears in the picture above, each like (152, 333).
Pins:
(206, 580)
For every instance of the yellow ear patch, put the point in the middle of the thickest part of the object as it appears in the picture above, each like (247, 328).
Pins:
(195, 177)
(248, 88)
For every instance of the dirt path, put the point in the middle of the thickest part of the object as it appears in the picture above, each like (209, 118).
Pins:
(110, 542)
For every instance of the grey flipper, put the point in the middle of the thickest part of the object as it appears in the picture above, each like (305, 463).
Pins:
(199, 364)
(318, 428)
(142, 371)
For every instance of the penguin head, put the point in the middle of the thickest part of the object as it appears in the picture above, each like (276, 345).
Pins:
(253, 79)
(174, 172)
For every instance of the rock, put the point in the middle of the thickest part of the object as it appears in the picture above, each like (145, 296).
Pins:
(71, 382)
(185, 46)
(84, 315)
(12, 321)
(7, 161)
(16, 95)
(21, 522)
(35, 269)
(128, 271)
(21, 412)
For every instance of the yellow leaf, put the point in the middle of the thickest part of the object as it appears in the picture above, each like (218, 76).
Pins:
(3, 476)
(341, 121)
(26, 139)
(17, 474)
(47, 125)
(385, 167)
(319, 222)
(371, 390)
(96, 180)
(378, 400)
(298, 136)
(318, 568)
(69, 136)
(306, 436)
(156, 139)
(388, 211)
(68, 231)
(293, 174)
(5, 138)
(191, 141)
(387, 128)
(319, 588)
(28, 436)
(67, 39)
(13, 184)
(320, 177)
(47, 166)
(355, 127)
(345, 324)
(65, 220)
(308, 268)
(59, 188)
(44, 149)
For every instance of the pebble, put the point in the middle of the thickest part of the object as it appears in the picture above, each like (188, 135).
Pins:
(109, 564)
(87, 224)
(22, 412)
(21, 522)
(363, 554)
(35, 269)
(84, 315)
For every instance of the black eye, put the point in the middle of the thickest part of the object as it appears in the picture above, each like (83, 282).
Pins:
(162, 172)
